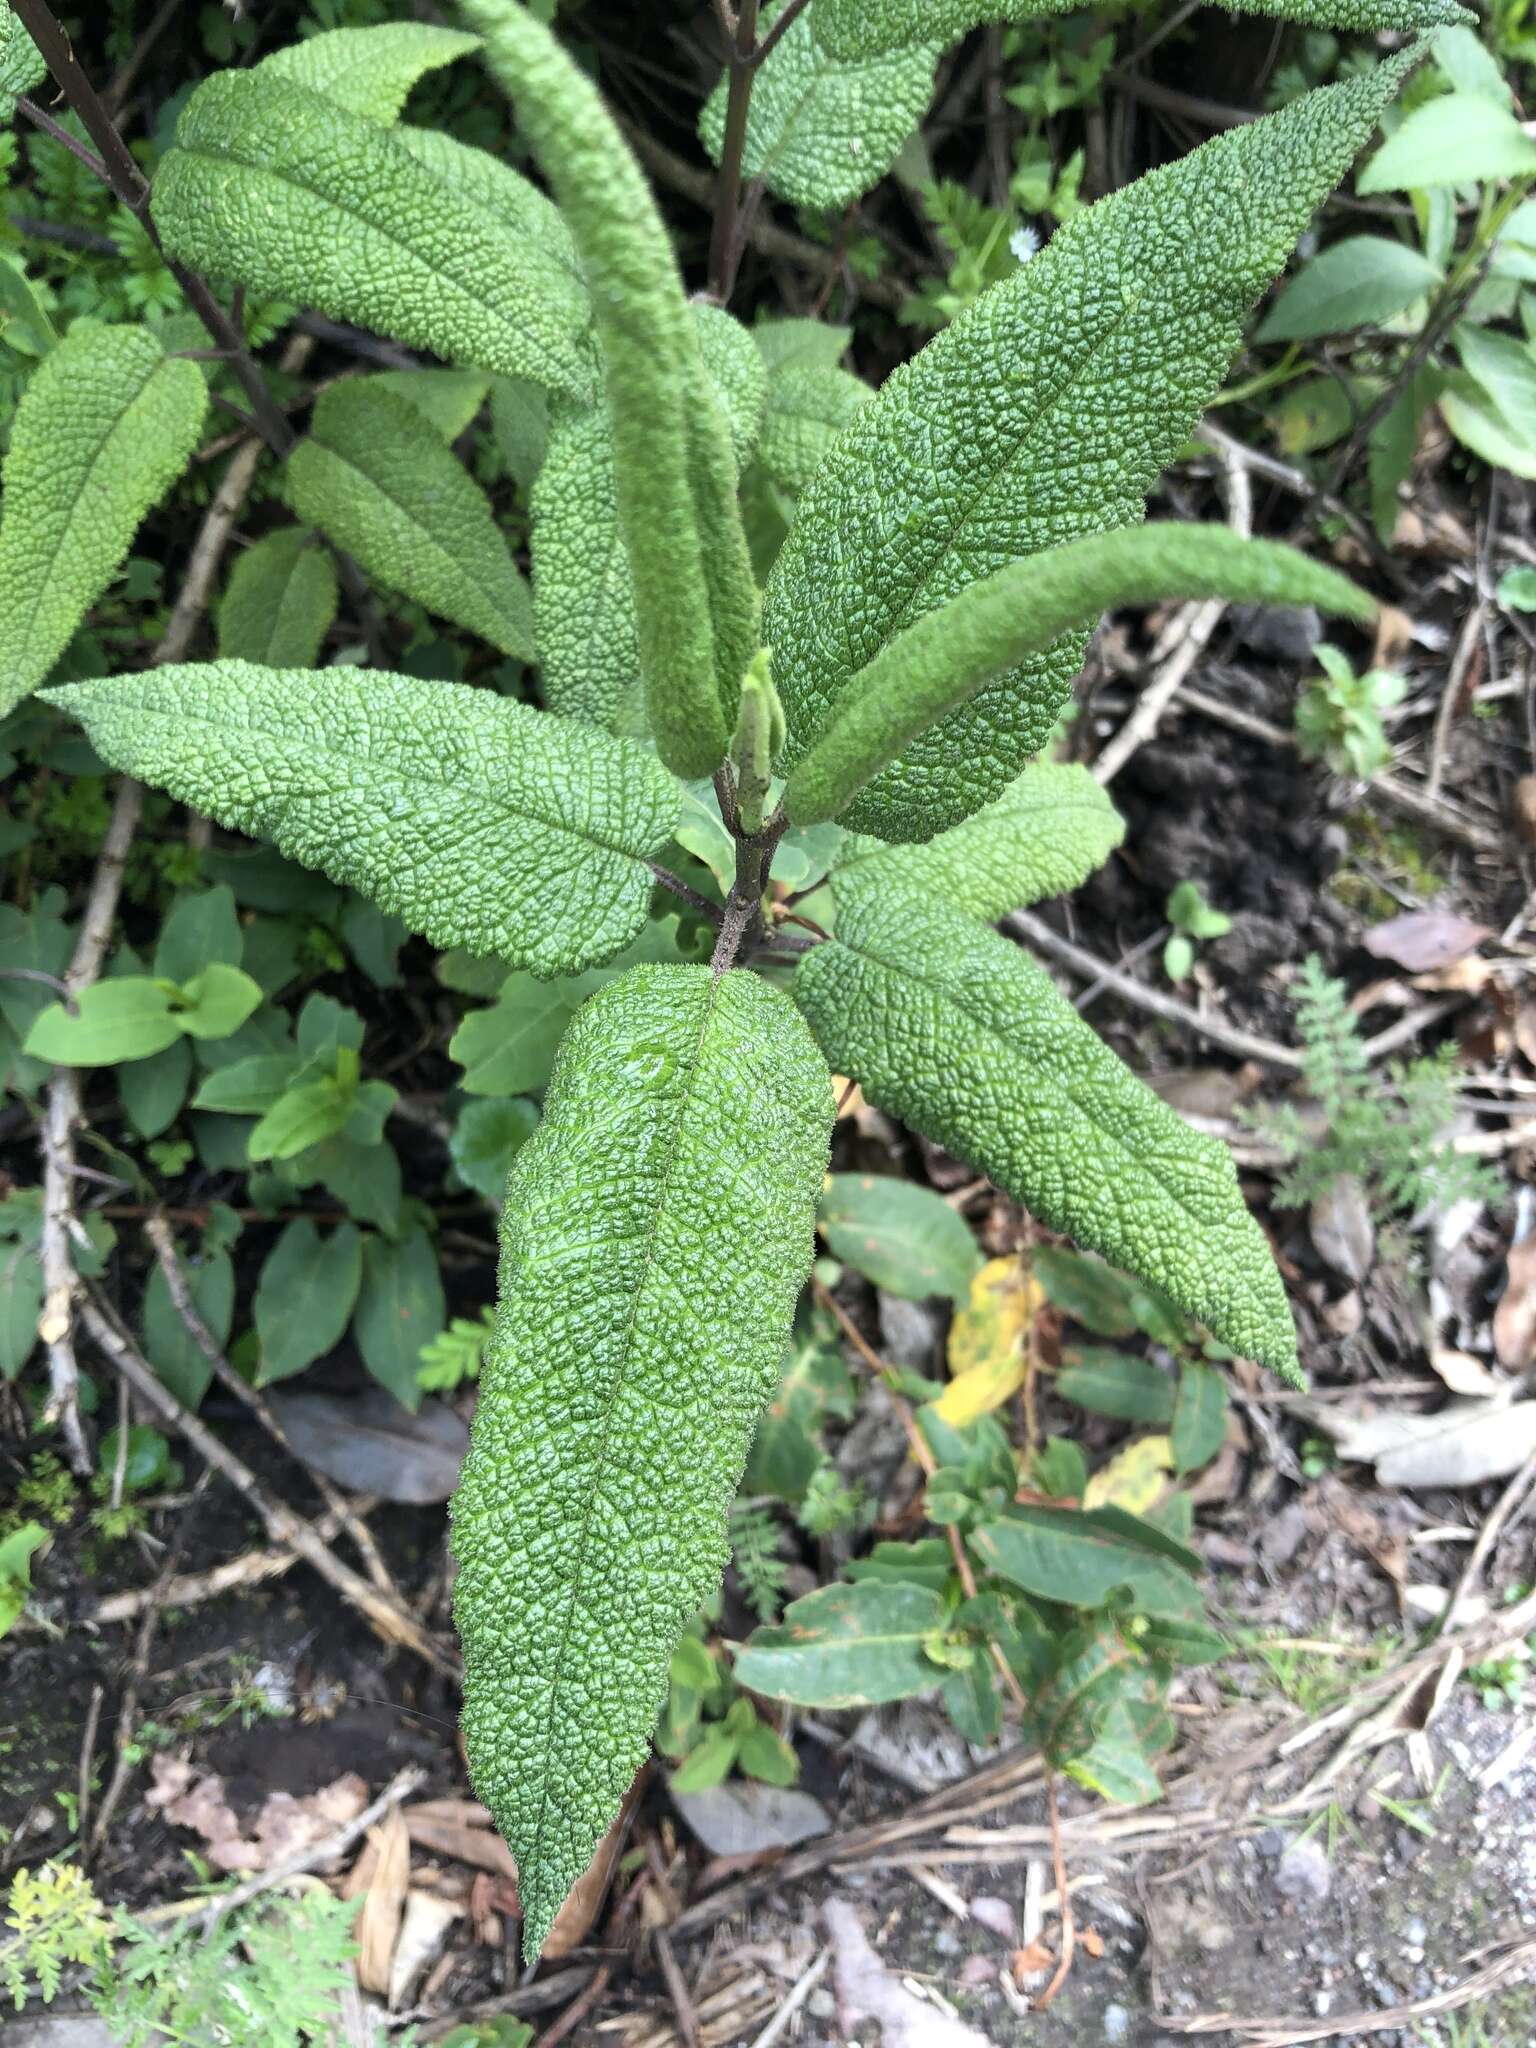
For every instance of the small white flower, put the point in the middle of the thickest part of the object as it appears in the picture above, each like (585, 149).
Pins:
(1024, 243)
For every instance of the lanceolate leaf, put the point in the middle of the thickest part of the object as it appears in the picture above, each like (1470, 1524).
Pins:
(447, 399)
(480, 821)
(847, 1646)
(941, 660)
(673, 475)
(736, 371)
(656, 1232)
(1045, 834)
(369, 71)
(868, 28)
(275, 186)
(950, 1027)
(511, 200)
(376, 477)
(104, 428)
(1044, 412)
(809, 404)
(821, 131)
(280, 601)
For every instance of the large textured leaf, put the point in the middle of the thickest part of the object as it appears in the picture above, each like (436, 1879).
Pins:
(950, 1027)
(21, 65)
(1045, 834)
(369, 71)
(656, 1231)
(280, 601)
(481, 822)
(809, 404)
(939, 662)
(511, 200)
(674, 479)
(1045, 411)
(821, 131)
(869, 28)
(104, 428)
(376, 477)
(274, 185)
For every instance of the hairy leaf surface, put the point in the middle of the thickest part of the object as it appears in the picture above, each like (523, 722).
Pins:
(376, 477)
(1044, 412)
(821, 131)
(656, 1232)
(809, 404)
(22, 67)
(104, 428)
(447, 399)
(871, 28)
(674, 479)
(276, 186)
(369, 71)
(943, 658)
(480, 821)
(1044, 835)
(280, 601)
(950, 1027)
(511, 200)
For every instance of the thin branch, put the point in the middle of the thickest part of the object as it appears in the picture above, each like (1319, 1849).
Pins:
(724, 246)
(785, 22)
(684, 893)
(57, 132)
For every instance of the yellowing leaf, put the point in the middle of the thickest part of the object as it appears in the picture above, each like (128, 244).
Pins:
(986, 1342)
(1133, 1480)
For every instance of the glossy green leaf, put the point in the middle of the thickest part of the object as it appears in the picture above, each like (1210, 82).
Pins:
(1359, 282)
(1045, 835)
(655, 1235)
(821, 131)
(376, 478)
(1114, 1383)
(455, 809)
(400, 1307)
(846, 1646)
(905, 1238)
(952, 1028)
(1462, 138)
(127, 1018)
(369, 71)
(105, 425)
(1078, 1558)
(1045, 411)
(1199, 1425)
(927, 1562)
(276, 186)
(217, 1002)
(305, 1296)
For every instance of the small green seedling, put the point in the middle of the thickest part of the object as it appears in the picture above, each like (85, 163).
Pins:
(1339, 715)
(1193, 919)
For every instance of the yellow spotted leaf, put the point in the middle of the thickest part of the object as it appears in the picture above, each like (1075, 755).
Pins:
(1135, 1479)
(987, 1356)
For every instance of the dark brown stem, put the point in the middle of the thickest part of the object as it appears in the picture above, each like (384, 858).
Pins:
(724, 243)
(785, 22)
(58, 133)
(681, 890)
(1063, 1894)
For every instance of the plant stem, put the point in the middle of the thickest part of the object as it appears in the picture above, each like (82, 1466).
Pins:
(725, 243)
(785, 21)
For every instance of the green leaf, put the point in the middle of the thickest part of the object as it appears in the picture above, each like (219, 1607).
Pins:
(1516, 589)
(520, 427)
(736, 371)
(868, 28)
(218, 1001)
(953, 1029)
(1359, 282)
(24, 322)
(938, 664)
(1115, 1765)
(126, 1018)
(1045, 411)
(400, 1308)
(448, 400)
(177, 1357)
(369, 71)
(104, 427)
(1113, 1383)
(1462, 138)
(487, 1138)
(1477, 421)
(1045, 835)
(928, 1562)
(201, 929)
(276, 186)
(708, 1763)
(1081, 1559)
(376, 478)
(906, 1239)
(249, 1086)
(583, 589)
(153, 1090)
(510, 1048)
(280, 602)
(782, 343)
(302, 1116)
(1199, 1417)
(970, 1699)
(821, 131)
(479, 821)
(846, 1646)
(22, 66)
(766, 1756)
(21, 1304)
(1505, 369)
(305, 1296)
(688, 1120)
(809, 404)
(16, 1553)
(674, 478)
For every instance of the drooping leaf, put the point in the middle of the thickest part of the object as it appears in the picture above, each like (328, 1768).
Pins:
(1359, 282)
(1114, 1383)
(952, 1028)
(376, 478)
(276, 186)
(846, 1646)
(906, 1239)
(447, 399)
(369, 71)
(821, 130)
(1461, 138)
(24, 322)
(280, 602)
(400, 1307)
(674, 478)
(1045, 411)
(479, 821)
(305, 1296)
(105, 425)
(988, 1358)
(656, 1232)
(1045, 834)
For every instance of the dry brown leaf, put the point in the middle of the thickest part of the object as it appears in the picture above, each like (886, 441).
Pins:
(423, 1930)
(1090, 1939)
(1522, 807)
(1394, 636)
(378, 1924)
(1425, 940)
(848, 1096)
(469, 1811)
(573, 1923)
(1342, 1229)
(1030, 1962)
(1467, 1443)
(492, 1900)
(465, 1843)
(282, 1825)
(1514, 1320)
